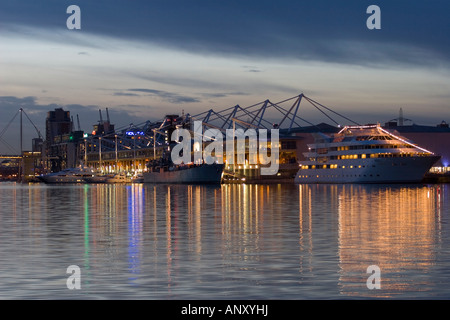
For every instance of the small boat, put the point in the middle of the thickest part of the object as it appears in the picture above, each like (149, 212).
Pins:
(138, 178)
(70, 175)
(118, 178)
(96, 178)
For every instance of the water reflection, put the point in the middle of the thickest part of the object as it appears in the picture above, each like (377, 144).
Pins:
(86, 226)
(228, 241)
(251, 235)
(136, 205)
(395, 228)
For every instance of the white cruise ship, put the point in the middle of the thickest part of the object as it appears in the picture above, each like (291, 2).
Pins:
(364, 154)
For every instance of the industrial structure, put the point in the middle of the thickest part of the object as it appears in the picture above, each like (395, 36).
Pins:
(109, 149)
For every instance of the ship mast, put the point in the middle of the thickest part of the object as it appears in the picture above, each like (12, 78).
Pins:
(21, 169)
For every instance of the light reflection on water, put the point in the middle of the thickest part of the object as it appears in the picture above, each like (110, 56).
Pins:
(224, 242)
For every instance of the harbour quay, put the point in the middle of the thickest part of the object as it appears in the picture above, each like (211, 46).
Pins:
(109, 149)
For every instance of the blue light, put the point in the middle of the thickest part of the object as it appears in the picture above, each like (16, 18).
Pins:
(134, 133)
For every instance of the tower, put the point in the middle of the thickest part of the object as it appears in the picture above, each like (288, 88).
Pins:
(400, 117)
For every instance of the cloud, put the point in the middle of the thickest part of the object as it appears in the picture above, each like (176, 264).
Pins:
(413, 33)
(216, 54)
(177, 98)
(125, 94)
(7, 101)
(168, 96)
(253, 69)
(223, 94)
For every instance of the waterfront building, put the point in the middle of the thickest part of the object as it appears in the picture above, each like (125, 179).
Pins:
(108, 149)
(57, 124)
(9, 167)
(434, 138)
(32, 165)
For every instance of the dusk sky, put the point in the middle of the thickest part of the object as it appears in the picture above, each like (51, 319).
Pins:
(144, 59)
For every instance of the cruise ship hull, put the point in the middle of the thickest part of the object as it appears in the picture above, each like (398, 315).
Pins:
(204, 174)
(378, 170)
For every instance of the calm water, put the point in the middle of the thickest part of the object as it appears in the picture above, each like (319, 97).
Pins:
(224, 242)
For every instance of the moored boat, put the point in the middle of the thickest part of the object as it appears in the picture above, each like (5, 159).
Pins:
(185, 174)
(70, 175)
(96, 178)
(364, 154)
(137, 178)
(118, 178)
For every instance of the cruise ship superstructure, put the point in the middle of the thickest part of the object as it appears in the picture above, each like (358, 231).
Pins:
(364, 154)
